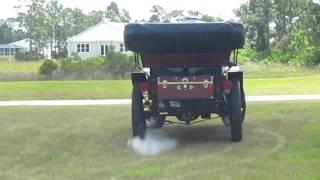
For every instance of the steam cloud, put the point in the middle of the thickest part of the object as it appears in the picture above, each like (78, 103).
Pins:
(154, 143)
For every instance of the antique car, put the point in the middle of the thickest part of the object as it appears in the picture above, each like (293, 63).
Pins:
(186, 70)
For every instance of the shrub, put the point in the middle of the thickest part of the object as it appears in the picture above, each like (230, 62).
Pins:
(119, 64)
(48, 67)
(97, 60)
(19, 56)
(113, 66)
(74, 57)
(246, 55)
(74, 68)
(296, 49)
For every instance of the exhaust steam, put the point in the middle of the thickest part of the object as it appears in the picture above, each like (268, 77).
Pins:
(154, 143)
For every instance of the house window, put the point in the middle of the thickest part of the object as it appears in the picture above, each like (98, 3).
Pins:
(87, 48)
(121, 47)
(7, 52)
(12, 51)
(83, 48)
(1, 51)
(104, 50)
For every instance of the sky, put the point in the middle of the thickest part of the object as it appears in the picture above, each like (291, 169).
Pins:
(140, 9)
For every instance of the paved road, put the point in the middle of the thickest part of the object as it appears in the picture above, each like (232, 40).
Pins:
(128, 101)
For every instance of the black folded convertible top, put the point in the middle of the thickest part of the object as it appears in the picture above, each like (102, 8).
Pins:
(184, 37)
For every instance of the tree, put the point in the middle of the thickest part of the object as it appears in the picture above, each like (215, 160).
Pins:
(159, 14)
(6, 33)
(294, 32)
(310, 20)
(176, 16)
(114, 14)
(95, 17)
(125, 16)
(33, 21)
(284, 14)
(54, 11)
(67, 25)
(207, 18)
(78, 21)
(256, 15)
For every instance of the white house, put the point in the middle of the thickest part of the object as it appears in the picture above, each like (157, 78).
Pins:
(9, 49)
(97, 40)
(22, 45)
(12, 48)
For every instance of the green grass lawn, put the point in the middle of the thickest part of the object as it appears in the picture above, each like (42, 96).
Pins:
(6, 59)
(273, 70)
(283, 86)
(281, 141)
(24, 71)
(19, 67)
(28, 90)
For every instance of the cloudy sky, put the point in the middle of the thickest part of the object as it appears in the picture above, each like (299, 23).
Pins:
(140, 9)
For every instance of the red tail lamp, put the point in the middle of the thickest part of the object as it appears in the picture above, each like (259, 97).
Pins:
(227, 85)
(143, 87)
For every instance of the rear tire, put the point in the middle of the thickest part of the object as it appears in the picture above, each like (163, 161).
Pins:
(137, 113)
(243, 105)
(236, 115)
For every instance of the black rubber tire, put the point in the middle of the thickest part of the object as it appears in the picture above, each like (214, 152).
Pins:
(243, 105)
(236, 116)
(137, 114)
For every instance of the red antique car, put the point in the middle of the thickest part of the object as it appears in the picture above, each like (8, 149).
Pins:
(186, 70)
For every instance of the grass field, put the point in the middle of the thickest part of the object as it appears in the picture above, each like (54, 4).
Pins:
(281, 141)
(28, 90)
(6, 59)
(19, 67)
(289, 85)
(260, 70)
(25, 71)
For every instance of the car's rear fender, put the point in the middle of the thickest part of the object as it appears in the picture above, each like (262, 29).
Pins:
(236, 75)
(138, 77)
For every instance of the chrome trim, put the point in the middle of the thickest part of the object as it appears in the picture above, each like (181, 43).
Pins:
(184, 82)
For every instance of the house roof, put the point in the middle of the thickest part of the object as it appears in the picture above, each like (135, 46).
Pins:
(104, 31)
(14, 46)
(24, 43)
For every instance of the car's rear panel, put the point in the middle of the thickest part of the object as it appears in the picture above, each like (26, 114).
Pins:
(185, 87)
